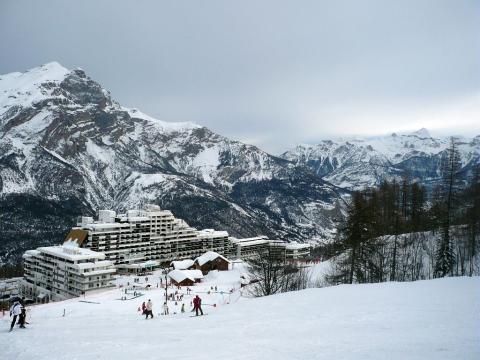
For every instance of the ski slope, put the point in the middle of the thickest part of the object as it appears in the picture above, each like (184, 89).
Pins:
(433, 319)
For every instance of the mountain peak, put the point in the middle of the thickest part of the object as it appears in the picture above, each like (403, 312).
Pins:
(422, 133)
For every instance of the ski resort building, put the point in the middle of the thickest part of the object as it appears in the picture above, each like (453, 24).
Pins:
(296, 251)
(211, 261)
(61, 272)
(142, 236)
(251, 247)
(185, 277)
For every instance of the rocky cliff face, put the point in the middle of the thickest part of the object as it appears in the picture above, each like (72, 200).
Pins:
(361, 162)
(67, 148)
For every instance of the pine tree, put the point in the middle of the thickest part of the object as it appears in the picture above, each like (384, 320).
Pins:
(451, 165)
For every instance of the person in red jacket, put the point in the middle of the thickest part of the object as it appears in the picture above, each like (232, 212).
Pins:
(197, 305)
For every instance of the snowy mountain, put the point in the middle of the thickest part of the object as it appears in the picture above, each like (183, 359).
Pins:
(361, 162)
(68, 148)
(430, 319)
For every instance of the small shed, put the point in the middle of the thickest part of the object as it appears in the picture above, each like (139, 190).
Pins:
(183, 264)
(211, 261)
(185, 277)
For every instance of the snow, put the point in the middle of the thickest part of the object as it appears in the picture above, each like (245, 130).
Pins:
(71, 252)
(180, 275)
(159, 124)
(182, 264)
(297, 246)
(434, 319)
(24, 89)
(208, 256)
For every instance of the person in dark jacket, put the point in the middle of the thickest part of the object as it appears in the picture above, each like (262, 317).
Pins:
(23, 314)
(149, 309)
(197, 305)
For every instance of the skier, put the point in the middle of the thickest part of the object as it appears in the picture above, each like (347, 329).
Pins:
(197, 305)
(15, 310)
(144, 308)
(149, 308)
(183, 308)
(23, 314)
(165, 308)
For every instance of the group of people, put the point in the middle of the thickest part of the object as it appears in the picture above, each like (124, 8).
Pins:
(17, 310)
(147, 308)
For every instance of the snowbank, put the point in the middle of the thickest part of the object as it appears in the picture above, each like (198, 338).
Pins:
(434, 319)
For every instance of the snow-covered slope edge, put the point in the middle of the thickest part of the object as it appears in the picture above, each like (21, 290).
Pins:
(434, 319)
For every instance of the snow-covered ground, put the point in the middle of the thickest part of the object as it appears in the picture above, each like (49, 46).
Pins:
(434, 319)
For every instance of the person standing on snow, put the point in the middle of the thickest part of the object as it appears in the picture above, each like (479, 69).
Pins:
(23, 314)
(165, 309)
(15, 310)
(144, 308)
(149, 309)
(197, 305)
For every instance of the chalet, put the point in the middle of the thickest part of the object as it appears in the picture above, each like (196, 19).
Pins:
(185, 277)
(183, 264)
(211, 261)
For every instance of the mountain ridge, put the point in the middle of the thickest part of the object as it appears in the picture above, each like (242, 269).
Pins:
(66, 143)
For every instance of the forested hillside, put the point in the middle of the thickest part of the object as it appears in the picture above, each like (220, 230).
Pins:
(398, 231)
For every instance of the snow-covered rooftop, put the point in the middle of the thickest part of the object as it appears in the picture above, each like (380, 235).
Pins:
(212, 232)
(180, 275)
(297, 246)
(71, 253)
(208, 256)
(182, 264)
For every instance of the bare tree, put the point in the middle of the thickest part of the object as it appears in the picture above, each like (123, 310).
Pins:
(271, 274)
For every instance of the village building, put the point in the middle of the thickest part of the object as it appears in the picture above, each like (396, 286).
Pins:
(183, 264)
(139, 236)
(248, 248)
(297, 251)
(9, 287)
(185, 277)
(211, 261)
(62, 272)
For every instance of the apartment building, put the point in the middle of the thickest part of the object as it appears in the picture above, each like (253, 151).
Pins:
(249, 247)
(296, 251)
(144, 236)
(61, 272)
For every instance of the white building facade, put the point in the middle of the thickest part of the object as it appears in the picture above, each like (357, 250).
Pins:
(62, 272)
(142, 236)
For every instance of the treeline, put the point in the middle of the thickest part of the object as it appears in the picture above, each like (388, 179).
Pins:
(373, 249)
(9, 271)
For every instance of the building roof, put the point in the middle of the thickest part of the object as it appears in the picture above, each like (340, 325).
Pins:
(212, 233)
(297, 246)
(182, 264)
(180, 275)
(71, 253)
(141, 265)
(256, 238)
(209, 256)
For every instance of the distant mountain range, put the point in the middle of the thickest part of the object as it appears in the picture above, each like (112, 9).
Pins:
(67, 148)
(362, 162)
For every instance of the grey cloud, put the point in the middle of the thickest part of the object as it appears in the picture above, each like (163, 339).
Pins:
(269, 72)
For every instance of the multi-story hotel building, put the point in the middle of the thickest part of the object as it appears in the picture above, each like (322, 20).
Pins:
(250, 247)
(62, 272)
(145, 237)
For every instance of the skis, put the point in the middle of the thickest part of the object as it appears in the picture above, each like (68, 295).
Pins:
(198, 315)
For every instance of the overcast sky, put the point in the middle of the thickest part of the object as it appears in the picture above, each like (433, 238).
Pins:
(271, 73)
